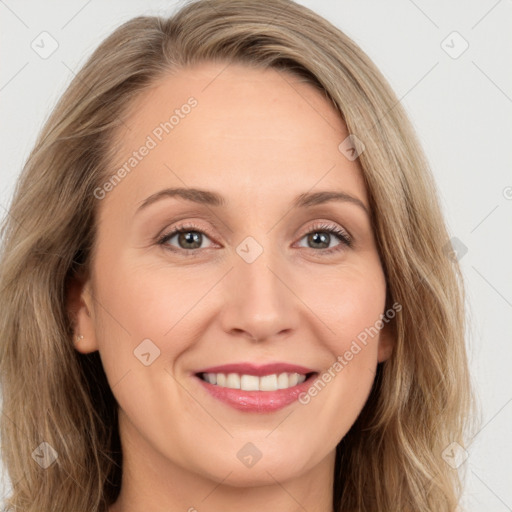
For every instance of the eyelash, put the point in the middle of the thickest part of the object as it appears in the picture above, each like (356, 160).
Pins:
(341, 234)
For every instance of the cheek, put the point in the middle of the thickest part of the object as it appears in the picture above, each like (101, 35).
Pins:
(349, 301)
(350, 306)
(139, 303)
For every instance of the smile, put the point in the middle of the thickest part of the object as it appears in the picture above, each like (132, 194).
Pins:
(246, 382)
(251, 387)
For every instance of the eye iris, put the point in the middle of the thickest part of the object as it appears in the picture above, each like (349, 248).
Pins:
(190, 237)
(320, 237)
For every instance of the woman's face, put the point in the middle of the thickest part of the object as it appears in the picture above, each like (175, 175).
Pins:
(259, 279)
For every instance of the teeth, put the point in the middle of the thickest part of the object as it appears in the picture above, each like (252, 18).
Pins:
(293, 379)
(282, 381)
(253, 383)
(249, 383)
(210, 377)
(268, 383)
(233, 381)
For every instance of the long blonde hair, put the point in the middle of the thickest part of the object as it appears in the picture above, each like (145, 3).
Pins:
(421, 401)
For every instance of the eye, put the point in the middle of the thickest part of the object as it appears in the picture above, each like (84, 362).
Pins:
(320, 237)
(188, 237)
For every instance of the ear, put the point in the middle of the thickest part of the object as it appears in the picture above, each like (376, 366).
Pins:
(386, 342)
(81, 311)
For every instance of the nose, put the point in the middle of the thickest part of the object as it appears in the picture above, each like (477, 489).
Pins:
(259, 302)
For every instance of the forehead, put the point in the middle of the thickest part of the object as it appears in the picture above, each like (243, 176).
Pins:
(234, 128)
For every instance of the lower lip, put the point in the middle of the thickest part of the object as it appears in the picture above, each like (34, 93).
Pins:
(257, 401)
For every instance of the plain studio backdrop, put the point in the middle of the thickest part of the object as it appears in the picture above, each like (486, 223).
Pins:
(450, 66)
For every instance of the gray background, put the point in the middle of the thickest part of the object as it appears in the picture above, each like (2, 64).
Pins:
(460, 105)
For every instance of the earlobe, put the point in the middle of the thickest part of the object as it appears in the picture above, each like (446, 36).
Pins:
(386, 343)
(80, 309)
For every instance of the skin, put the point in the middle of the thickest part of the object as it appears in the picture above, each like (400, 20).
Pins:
(259, 138)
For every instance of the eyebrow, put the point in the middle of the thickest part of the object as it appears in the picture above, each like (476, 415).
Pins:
(210, 198)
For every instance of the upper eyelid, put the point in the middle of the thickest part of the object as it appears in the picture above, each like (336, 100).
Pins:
(182, 226)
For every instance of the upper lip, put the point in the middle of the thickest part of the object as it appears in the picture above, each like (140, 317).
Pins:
(258, 370)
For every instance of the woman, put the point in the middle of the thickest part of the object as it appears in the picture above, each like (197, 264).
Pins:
(226, 281)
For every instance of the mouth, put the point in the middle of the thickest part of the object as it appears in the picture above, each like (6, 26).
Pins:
(248, 382)
(261, 394)
(257, 388)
